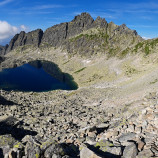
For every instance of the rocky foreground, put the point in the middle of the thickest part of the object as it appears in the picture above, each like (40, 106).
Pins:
(73, 124)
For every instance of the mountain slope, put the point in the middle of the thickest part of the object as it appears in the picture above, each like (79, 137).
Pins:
(83, 48)
(82, 32)
(110, 40)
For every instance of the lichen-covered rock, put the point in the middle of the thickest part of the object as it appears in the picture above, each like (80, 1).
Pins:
(54, 150)
(7, 142)
(32, 150)
(108, 147)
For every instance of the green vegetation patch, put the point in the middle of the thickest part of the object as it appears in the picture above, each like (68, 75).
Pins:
(130, 70)
(7, 140)
(18, 145)
(101, 34)
(103, 145)
(76, 72)
(66, 62)
(37, 155)
(138, 46)
(112, 52)
(124, 53)
(147, 50)
(154, 42)
(94, 77)
(146, 46)
(156, 80)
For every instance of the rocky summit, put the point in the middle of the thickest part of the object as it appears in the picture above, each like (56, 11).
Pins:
(112, 114)
(82, 31)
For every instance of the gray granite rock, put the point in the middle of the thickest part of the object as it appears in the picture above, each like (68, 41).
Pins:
(25, 39)
(130, 151)
(32, 150)
(3, 50)
(126, 137)
(87, 153)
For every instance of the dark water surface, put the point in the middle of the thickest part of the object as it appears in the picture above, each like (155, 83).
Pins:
(37, 76)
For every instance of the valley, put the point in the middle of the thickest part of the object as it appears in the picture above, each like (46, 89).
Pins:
(114, 111)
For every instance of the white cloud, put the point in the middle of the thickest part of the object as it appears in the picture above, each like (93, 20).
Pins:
(23, 27)
(5, 2)
(146, 38)
(47, 7)
(7, 31)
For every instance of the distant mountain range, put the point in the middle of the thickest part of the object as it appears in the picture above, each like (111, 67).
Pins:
(83, 35)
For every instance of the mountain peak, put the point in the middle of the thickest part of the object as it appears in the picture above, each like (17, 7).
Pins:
(82, 16)
(101, 22)
(83, 20)
(98, 32)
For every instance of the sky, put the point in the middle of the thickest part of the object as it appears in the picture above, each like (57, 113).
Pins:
(26, 15)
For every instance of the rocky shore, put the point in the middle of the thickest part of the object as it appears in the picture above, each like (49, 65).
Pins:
(69, 124)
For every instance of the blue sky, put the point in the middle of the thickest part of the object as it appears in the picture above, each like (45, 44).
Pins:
(17, 15)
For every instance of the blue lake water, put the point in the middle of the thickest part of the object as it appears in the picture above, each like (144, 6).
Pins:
(32, 77)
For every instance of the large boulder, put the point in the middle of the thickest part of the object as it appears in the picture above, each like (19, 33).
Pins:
(85, 152)
(130, 151)
(7, 142)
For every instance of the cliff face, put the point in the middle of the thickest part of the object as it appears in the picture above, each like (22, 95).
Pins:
(3, 50)
(55, 35)
(82, 35)
(103, 37)
(31, 38)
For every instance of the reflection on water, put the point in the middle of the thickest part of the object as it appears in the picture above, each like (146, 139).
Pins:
(37, 76)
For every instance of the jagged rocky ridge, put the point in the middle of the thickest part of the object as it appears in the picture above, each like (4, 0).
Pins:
(82, 31)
